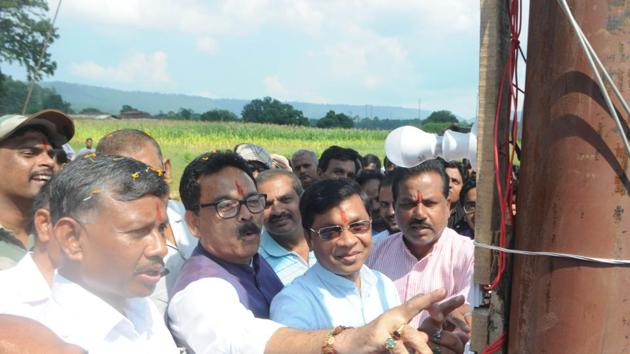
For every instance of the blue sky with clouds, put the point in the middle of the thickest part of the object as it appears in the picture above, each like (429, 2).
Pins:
(374, 52)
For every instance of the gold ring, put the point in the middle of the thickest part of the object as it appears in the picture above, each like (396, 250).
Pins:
(398, 332)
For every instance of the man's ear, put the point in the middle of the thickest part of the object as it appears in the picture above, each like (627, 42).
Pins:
(41, 222)
(319, 172)
(192, 220)
(167, 169)
(68, 233)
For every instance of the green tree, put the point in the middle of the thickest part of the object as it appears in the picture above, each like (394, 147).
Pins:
(270, 110)
(14, 94)
(441, 117)
(24, 27)
(219, 115)
(127, 108)
(335, 120)
(51, 99)
(185, 113)
(90, 110)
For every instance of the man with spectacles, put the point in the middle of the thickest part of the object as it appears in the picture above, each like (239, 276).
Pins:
(224, 210)
(339, 289)
(220, 293)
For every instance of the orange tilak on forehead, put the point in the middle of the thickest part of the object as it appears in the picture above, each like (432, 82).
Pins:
(159, 214)
(46, 144)
(239, 189)
(418, 196)
(344, 216)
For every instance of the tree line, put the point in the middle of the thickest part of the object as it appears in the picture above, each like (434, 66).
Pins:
(24, 26)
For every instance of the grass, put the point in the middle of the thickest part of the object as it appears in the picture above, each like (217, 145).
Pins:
(182, 141)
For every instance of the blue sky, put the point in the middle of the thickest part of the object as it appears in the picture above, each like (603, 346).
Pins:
(374, 52)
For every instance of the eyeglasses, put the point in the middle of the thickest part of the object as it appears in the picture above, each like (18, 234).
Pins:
(328, 233)
(229, 208)
(469, 207)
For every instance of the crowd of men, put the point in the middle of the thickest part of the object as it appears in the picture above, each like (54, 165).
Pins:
(264, 254)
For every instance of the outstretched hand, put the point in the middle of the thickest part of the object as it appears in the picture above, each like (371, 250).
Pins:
(381, 334)
(446, 327)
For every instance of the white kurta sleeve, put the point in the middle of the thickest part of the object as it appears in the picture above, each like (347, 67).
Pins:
(208, 317)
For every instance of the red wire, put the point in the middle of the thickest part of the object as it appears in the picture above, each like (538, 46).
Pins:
(504, 190)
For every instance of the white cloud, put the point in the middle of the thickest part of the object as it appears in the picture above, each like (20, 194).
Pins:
(207, 45)
(372, 45)
(275, 88)
(228, 17)
(206, 94)
(371, 82)
(152, 68)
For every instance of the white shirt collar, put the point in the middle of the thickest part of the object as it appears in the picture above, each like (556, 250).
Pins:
(80, 306)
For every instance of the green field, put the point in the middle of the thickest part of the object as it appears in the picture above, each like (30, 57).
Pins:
(182, 141)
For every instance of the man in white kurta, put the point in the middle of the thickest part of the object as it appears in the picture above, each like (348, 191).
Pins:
(25, 291)
(109, 216)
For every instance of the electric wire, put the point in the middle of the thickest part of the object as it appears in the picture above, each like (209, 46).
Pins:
(554, 254)
(592, 58)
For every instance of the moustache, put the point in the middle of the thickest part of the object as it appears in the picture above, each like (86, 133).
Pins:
(156, 266)
(420, 223)
(248, 228)
(274, 218)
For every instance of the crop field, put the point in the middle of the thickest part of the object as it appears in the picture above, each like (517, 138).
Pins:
(182, 141)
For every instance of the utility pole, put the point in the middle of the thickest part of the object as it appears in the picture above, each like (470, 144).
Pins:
(489, 320)
(573, 192)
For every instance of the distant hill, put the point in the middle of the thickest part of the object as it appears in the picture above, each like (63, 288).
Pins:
(111, 100)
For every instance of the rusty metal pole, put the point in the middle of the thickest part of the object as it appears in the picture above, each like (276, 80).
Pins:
(573, 190)
(488, 321)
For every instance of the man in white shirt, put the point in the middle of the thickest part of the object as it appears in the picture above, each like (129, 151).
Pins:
(339, 289)
(26, 286)
(211, 311)
(139, 145)
(109, 216)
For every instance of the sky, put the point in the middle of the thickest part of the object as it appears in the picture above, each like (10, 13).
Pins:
(368, 52)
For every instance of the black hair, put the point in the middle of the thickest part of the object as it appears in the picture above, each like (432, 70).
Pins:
(387, 181)
(468, 185)
(371, 158)
(342, 154)
(326, 194)
(267, 175)
(60, 155)
(78, 189)
(126, 140)
(401, 174)
(204, 165)
(387, 163)
(455, 165)
(367, 175)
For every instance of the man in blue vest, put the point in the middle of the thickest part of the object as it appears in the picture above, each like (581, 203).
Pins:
(220, 302)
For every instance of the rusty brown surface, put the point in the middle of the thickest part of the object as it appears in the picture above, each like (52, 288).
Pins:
(573, 192)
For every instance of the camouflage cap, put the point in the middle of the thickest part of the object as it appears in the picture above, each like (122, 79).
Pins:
(253, 152)
(57, 124)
